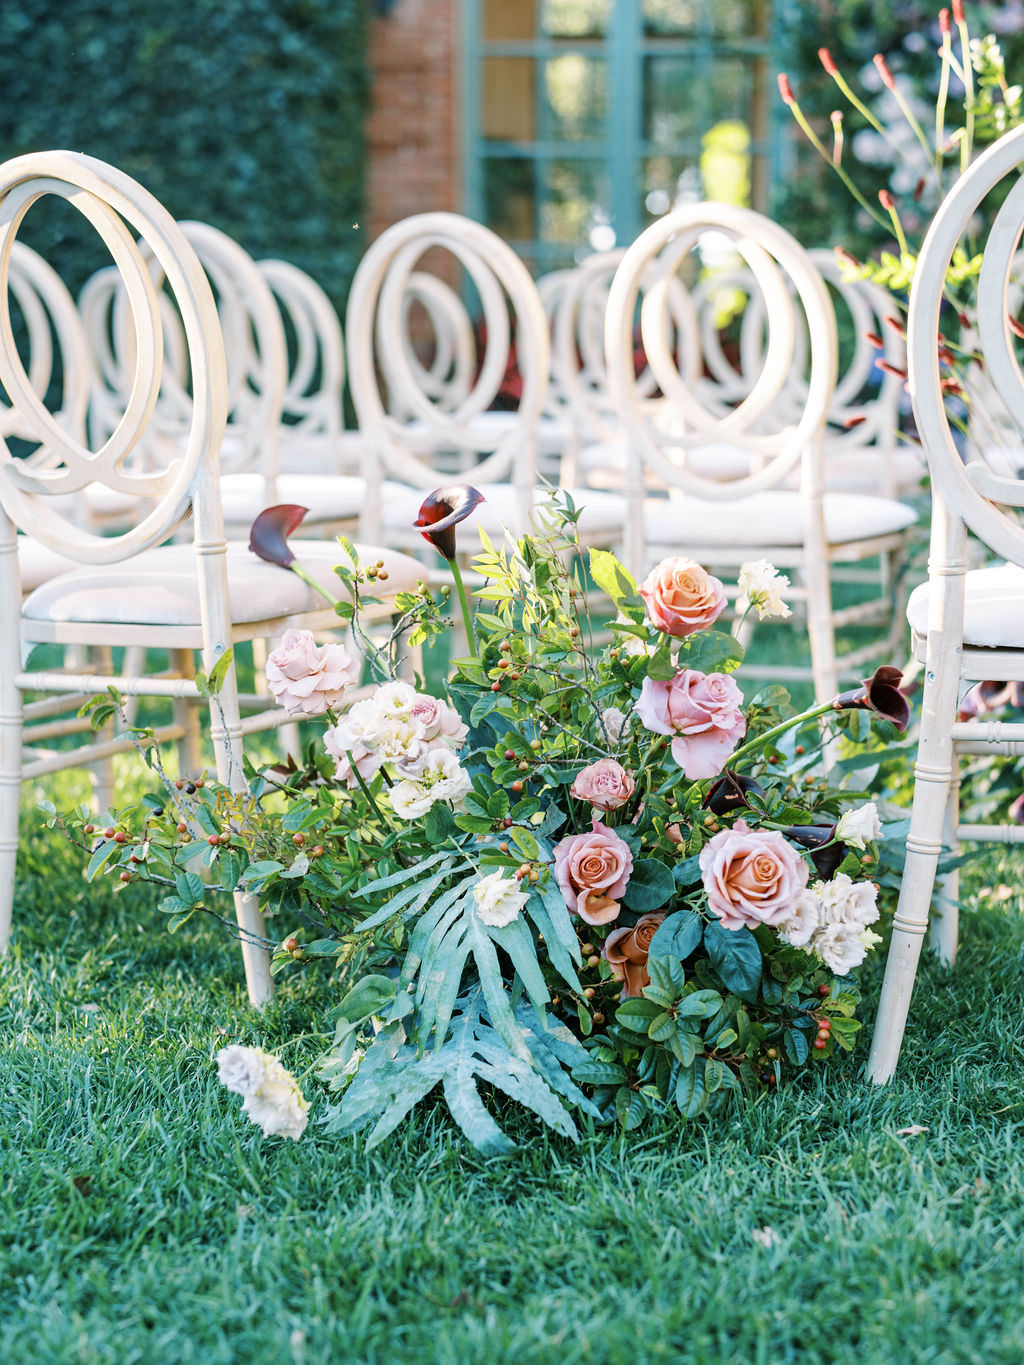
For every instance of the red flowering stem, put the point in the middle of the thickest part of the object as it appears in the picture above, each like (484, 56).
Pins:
(837, 138)
(889, 204)
(812, 137)
(967, 141)
(946, 53)
(890, 84)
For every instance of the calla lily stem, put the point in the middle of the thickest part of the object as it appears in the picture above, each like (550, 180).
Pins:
(780, 729)
(467, 615)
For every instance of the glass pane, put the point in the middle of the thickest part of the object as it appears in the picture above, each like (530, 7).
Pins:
(510, 197)
(666, 182)
(575, 207)
(739, 18)
(505, 21)
(577, 91)
(674, 17)
(509, 99)
(672, 88)
(732, 91)
(573, 18)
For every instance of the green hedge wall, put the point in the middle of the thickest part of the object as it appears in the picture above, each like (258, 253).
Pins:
(247, 114)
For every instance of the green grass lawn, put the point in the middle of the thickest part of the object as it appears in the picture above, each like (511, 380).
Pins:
(145, 1220)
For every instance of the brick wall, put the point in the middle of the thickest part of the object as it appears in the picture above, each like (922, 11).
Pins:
(412, 132)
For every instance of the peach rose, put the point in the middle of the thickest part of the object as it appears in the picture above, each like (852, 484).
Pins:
(626, 950)
(702, 712)
(682, 597)
(751, 877)
(592, 871)
(306, 678)
(605, 784)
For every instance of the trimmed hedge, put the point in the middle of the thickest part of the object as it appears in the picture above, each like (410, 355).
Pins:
(247, 114)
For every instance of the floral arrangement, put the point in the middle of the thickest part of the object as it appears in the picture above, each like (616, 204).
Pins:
(596, 880)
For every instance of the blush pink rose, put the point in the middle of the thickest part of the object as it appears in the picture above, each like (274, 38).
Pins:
(592, 871)
(439, 720)
(605, 784)
(702, 712)
(751, 877)
(682, 597)
(306, 678)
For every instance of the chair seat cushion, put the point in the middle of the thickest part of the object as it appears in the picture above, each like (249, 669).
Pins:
(993, 607)
(329, 497)
(603, 513)
(774, 517)
(604, 463)
(160, 587)
(38, 563)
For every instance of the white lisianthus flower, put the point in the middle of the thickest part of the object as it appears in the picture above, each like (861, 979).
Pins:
(272, 1096)
(844, 901)
(278, 1106)
(243, 1069)
(860, 826)
(440, 778)
(840, 947)
(804, 922)
(498, 899)
(761, 587)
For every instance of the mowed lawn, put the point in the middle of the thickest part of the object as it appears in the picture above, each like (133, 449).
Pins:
(145, 1220)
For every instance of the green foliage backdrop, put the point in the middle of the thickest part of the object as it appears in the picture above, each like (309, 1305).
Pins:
(247, 114)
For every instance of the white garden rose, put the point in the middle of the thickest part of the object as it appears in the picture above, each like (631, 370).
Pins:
(804, 922)
(860, 826)
(761, 586)
(844, 901)
(613, 720)
(278, 1106)
(410, 799)
(243, 1069)
(439, 778)
(498, 899)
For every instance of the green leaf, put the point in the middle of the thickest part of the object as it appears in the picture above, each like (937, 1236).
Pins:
(661, 1028)
(617, 582)
(795, 1046)
(714, 1074)
(525, 842)
(630, 1108)
(690, 1093)
(217, 674)
(190, 887)
(685, 1045)
(660, 666)
(650, 886)
(596, 1072)
(736, 958)
(699, 1005)
(369, 996)
(678, 935)
(636, 1013)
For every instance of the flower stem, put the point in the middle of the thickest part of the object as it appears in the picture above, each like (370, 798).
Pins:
(754, 744)
(366, 791)
(467, 615)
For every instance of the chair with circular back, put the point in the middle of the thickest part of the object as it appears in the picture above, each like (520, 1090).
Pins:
(967, 625)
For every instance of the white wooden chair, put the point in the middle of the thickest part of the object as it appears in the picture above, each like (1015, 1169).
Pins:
(408, 428)
(724, 516)
(967, 625)
(129, 588)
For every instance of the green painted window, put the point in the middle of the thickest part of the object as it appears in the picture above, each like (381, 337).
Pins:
(586, 119)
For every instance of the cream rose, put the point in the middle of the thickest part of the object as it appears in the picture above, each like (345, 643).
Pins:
(498, 899)
(626, 952)
(605, 784)
(752, 877)
(307, 679)
(860, 826)
(592, 871)
(682, 597)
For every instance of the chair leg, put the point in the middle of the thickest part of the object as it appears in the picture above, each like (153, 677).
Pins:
(10, 793)
(946, 922)
(933, 781)
(822, 635)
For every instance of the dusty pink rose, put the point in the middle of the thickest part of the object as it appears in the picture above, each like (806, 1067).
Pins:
(702, 712)
(605, 784)
(592, 871)
(439, 720)
(306, 678)
(626, 952)
(682, 597)
(751, 877)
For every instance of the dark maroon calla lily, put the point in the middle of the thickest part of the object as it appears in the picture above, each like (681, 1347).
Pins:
(268, 537)
(879, 693)
(729, 792)
(442, 511)
(814, 837)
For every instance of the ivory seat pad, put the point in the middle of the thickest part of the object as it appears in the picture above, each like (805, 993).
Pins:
(605, 463)
(329, 497)
(319, 452)
(774, 517)
(160, 587)
(38, 563)
(488, 429)
(993, 607)
(400, 506)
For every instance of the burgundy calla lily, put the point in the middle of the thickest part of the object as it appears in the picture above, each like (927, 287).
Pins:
(814, 837)
(442, 510)
(268, 537)
(729, 793)
(879, 693)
